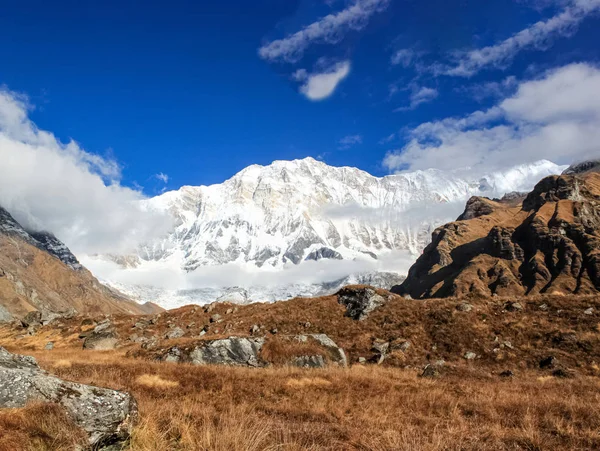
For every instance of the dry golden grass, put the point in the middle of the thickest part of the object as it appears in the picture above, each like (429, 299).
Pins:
(360, 408)
(38, 427)
(62, 364)
(154, 380)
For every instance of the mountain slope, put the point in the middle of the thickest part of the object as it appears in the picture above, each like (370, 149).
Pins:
(38, 272)
(548, 244)
(267, 219)
(291, 211)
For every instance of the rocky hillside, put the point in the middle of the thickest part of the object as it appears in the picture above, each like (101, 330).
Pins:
(548, 243)
(359, 324)
(38, 273)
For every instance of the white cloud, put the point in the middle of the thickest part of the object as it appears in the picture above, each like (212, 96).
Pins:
(419, 96)
(62, 188)
(349, 141)
(329, 29)
(403, 57)
(162, 177)
(493, 89)
(319, 86)
(538, 36)
(556, 117)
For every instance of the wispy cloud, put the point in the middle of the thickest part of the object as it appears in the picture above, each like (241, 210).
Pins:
(492, 89)
(538, 36)
(320, 85)
(387, 139)
(419, 96)
(330, 29)
(162, 177)
(403, 57)
(555, 117)
(349, 141)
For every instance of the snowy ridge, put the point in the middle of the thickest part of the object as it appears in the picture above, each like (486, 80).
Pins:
(292, 212)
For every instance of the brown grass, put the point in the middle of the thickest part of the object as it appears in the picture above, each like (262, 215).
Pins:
(38, 427)
(155, 381)
(361, 408)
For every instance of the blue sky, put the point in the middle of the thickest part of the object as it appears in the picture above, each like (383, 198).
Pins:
(197, 90)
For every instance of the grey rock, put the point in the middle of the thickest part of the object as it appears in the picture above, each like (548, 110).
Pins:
(513, 307)
(359, 302)
(173, 355)
(107, 416)
(102, 338)
(464, 307)
(229, 311)
(543, 307)
(362, 360)
(216, 318)
(49, 346)
(142, 324)
(589, 311)
(254, 329)
(5, 316)
(33, 318)
(470, 356)
(380, 346)
(312, 361)
(337, 354)
(234, 351)
(176, 332)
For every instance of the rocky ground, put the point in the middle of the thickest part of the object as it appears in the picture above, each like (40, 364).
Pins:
(321, 365)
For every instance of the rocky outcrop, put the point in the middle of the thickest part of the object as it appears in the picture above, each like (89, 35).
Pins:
(548, 244)
(107, 416)
(234, 351)
(360, 301)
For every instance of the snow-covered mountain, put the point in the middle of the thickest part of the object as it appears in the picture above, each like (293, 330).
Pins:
(291, 214)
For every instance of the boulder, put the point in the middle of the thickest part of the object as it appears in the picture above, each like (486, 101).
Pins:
(107, 416)
(309, 361)
(103, 337)
(359, 302)
(234, 351)
(176, 332)
(335, 353)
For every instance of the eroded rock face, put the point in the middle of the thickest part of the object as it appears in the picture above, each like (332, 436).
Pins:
(548, 244)
(235, 351)
(107, 416)
(360, 302)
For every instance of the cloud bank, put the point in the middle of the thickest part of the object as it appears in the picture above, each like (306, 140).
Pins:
(61, 188)
(555, 117)
(330, 30)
